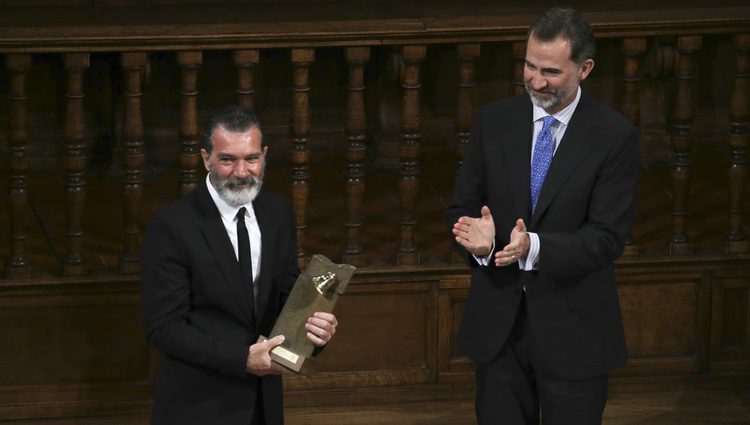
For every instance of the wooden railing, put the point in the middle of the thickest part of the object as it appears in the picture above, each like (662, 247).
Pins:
(681, 74)
(76, 35)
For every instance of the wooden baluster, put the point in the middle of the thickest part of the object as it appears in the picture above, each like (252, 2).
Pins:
(519, 62)
(189, 61)
(406, 252)
(18, 164)
(356, 125)
(465, 106)
(633, 49)
(300, 153)
(245, 60)
(133, 65)
(682, 144)
(466, 99)
(736, 241)
(74, 163)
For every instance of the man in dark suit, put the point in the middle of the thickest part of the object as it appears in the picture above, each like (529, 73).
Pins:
(541, 209)
(218, 265)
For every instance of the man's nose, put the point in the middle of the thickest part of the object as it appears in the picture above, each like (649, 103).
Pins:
(241, 169)
(537, 82)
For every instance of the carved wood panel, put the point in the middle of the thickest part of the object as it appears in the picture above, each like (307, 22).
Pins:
(730, 330)
(665, 318)
(386, 337)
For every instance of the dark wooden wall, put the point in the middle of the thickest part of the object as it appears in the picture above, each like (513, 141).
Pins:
(366, 109)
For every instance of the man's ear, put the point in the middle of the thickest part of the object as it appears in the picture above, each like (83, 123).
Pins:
(585, 69)
(205, 157)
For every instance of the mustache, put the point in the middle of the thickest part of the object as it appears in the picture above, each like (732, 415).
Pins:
(545, 90)
(234, 183)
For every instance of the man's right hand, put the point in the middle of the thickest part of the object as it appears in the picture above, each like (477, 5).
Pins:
(259, 360)
(476, 234)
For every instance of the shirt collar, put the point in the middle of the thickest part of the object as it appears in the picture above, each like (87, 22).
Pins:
(227, 211)
(564, 115)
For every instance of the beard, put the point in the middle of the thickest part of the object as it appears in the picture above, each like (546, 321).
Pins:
(231, 189)
(548, 99)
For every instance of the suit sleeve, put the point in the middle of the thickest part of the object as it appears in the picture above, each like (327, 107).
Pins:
(600, 240)
(166, 301)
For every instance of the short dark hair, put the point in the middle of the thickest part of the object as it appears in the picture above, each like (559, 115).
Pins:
(232, 118)
(571, 26)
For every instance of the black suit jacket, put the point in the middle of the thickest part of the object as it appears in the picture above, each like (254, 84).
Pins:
(582, 218)
(198, 314)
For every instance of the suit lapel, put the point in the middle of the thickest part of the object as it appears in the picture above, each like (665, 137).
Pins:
(218, 242)
(518, 154)
(264, 215)
(572, 150)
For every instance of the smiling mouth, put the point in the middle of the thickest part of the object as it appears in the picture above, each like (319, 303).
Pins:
(237, 186)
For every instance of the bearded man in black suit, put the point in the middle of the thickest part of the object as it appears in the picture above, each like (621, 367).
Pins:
(218, 265)
(541, 210)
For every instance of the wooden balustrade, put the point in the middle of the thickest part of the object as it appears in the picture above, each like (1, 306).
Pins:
(519, 63)
(739, 110)
(466, 99)
(633, 49)
(467, 55)
(299, 127)
(133, 65)
(75, 163)
(356, 124)
(245, 60)
(245, 55)
(189, 156)
(355, 128)
(18, 65)
(408, 186)
(682, 143)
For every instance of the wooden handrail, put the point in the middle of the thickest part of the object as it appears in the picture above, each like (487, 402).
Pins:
(287, 23)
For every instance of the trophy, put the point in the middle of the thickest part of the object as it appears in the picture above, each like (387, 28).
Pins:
(317, 289)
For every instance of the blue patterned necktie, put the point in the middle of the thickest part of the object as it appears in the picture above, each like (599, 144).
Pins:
(543, 150)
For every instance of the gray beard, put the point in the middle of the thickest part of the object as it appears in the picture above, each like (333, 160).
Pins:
(545, 104)
(231, 194)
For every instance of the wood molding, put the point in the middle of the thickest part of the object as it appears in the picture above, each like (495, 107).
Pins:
(264, 25)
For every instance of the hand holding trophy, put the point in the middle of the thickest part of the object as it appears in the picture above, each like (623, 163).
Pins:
(317, 290)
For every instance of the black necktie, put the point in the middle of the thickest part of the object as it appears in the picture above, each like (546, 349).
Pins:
(243, 251)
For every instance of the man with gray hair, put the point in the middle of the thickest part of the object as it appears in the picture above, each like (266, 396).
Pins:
(218, 265)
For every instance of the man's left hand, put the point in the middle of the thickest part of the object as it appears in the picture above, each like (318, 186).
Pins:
(517, 248)
(321, 327)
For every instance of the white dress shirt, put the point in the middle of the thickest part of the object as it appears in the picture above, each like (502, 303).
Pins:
(228, 217)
